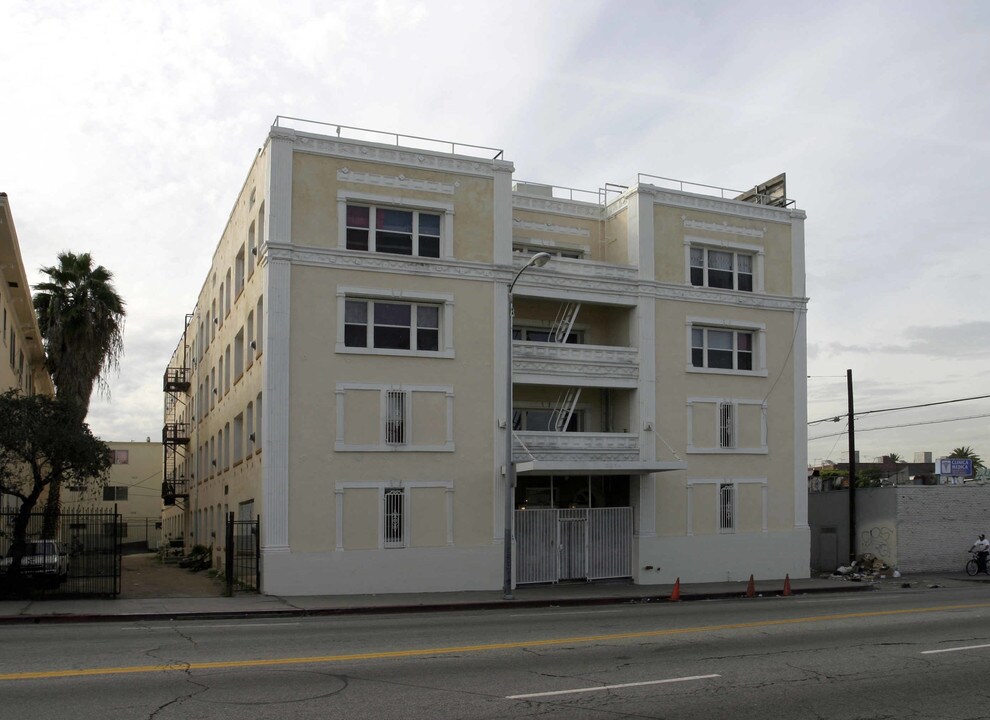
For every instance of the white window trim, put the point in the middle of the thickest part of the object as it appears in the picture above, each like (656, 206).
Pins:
(717, 482)
(391, 201)
(759, 331)
(762, 449)
(406, 486)
(444, 300)
(757, 251)
(381, 446)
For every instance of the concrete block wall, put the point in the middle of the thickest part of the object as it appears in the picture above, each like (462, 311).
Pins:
(936, 525)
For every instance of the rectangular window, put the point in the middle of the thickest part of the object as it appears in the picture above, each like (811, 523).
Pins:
(721, 349)
(394, 518)
(387, 230)
(239, 272)
(252, 250)
(726, 507)
(726, 425)
(238, 438)
(120, 457)
(115, 493)
(392, 325)
(395, 417)
(239, 354)
(721, 269)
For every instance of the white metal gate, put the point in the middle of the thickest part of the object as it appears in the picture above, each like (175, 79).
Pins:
(573, 544)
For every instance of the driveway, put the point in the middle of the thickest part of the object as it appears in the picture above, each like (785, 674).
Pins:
(142, 576)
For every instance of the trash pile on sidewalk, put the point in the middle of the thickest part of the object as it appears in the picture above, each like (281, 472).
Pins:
(868, 568)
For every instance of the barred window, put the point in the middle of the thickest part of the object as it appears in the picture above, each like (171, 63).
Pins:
(395, 417)
(726, 507)
(726, 425)
(394, 519)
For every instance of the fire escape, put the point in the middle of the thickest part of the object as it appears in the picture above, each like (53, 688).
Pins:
(175, 432)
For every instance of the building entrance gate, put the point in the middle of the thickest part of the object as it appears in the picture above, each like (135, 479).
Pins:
(573, 544)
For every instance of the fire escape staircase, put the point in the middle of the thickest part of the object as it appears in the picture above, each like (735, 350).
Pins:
(175, 433)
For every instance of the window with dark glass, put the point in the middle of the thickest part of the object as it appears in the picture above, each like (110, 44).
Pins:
(387, 230)
(721, 349)
(392, 325)
(721, 269)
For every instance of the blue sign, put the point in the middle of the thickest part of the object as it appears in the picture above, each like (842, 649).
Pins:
(955, 467)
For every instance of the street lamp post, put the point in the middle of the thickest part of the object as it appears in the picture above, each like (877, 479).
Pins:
(538, 260)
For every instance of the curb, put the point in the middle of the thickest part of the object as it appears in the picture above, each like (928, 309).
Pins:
(386, 609)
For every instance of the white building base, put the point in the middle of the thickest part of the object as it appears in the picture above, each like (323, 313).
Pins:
(368, 572)
(722, 558)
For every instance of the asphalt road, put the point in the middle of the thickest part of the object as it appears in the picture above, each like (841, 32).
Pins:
(914, 653)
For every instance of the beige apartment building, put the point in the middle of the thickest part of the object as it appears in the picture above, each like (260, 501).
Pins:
(343, 374)
(132, 487)
(22, 364)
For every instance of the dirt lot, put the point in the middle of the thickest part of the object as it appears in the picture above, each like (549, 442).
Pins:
(142, 576)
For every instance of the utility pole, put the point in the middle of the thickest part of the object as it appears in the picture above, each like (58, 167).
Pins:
(852, 468)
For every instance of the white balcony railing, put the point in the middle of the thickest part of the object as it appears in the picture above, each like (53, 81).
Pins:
(571, 447)
(576, 365)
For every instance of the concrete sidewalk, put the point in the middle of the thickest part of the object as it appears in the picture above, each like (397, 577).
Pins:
(564, 594)
(255, 605)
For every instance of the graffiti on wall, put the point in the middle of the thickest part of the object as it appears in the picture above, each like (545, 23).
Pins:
(876, 540)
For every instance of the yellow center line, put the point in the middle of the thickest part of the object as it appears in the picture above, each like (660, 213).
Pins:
(274, 662)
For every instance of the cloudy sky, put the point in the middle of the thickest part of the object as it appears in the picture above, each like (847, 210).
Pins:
(128, 127)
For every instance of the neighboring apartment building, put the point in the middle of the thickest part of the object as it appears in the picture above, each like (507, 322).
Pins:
(22, 364)
(343, 374)
(133, 486)
(22, 353)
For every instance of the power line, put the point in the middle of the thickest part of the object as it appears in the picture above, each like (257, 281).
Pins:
(836, 418)
(889, 427)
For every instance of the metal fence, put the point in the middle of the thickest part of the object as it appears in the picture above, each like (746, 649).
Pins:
(81, 558)
(573, 544)
(243, 554)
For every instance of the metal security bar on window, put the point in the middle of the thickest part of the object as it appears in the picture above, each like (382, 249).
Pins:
(726, 506)
(726, 425)
(394, 518)
(395, 416)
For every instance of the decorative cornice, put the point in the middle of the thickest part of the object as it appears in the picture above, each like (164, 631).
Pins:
(727, 207)
(396, 181)
(722, 228)
(558, 206)
(550, 228)
(371, 152)
(617, 282)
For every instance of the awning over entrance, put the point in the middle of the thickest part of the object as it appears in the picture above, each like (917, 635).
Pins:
(558, 467)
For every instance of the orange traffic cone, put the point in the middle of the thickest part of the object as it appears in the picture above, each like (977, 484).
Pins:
(787, 585)
(751, 588)
(675, 594)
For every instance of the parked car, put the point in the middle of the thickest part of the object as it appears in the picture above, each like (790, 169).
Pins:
(43, 559)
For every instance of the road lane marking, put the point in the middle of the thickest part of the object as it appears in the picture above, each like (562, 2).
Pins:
(955, 649)
(610, 687)
(425, 652)
(558, 614)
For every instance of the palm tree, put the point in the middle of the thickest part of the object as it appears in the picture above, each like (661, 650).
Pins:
(894, 457)
(966, 452)
(81, 318)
